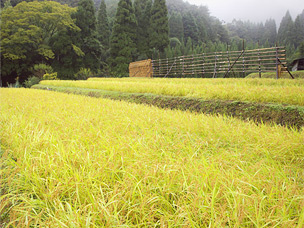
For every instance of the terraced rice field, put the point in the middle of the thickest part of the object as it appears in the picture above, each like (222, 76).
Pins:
(79, 161)
(253, 90)
(261, 100)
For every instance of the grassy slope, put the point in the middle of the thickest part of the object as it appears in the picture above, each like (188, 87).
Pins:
(278, 114)
(75, 161)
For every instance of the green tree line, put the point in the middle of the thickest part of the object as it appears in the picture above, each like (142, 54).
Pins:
(79, 41)
(81, 38)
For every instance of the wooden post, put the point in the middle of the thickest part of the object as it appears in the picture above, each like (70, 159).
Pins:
(192, 64)
(203, 65)
(159, 65)
(180, 67)
(175, 65)
(229, 63)
(233, 64)
(214, 73)
(183, 66)
(286, 68)
(228, 57)
(260, 70)
(244, 59)
(167, 66)
(152, 68)
(277, 62)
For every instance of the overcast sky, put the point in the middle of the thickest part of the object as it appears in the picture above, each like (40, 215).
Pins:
(252, 10)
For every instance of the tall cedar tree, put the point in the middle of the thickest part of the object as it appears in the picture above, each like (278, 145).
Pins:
(270, 34)
(103, 28)
(202, 27)
(221, 31)
(122, 42)
(176, 27)
(86, 21)
(143, 14)
(159, 38)
(301, 51)
(190, 28)
(286, 30)
(299, 29)
(68, 57)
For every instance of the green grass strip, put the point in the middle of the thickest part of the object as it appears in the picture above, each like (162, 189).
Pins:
(296, 74)
(291, 116)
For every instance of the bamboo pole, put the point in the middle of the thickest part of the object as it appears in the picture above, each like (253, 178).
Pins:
(183, 65)
(214, 74)
(203, 65)
(260, 73)
(277, 63)
(244, 58)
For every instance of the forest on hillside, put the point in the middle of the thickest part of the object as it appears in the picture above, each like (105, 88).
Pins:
(75, 39)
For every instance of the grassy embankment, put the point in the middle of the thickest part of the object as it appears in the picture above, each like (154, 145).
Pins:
(295, 74)
(267, 100)
(75, 161)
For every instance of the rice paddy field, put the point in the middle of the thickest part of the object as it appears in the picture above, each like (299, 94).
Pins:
(78, 161)
(286, 91)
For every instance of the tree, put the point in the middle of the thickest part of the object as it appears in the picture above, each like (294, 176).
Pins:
(68, 57)
(103, 28)
(202, 30)
(270, 34)
(26, 33)
(143, 14)
(122, 45)
(190, 28)
(71, 3)
(301, 50)
(188, 47)
(221, 32)
(285, 33)
(260, 32)
(86, 21)
(159, 26)
(299, 29)
(176, 27)
(6, 5)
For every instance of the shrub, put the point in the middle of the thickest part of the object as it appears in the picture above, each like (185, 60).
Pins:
(31, 81)
(83, 74)
(50, 76)
(39, 70)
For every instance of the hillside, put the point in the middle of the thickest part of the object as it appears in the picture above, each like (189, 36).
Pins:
(91, 42)
(205, 26)
(200, 26)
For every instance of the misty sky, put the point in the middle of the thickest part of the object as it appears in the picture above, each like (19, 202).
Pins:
(252, 10)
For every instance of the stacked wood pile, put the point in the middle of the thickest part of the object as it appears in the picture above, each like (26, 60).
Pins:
(141, 69)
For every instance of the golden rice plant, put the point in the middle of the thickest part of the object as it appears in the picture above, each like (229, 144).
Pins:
(74, 161)
(253, 90)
